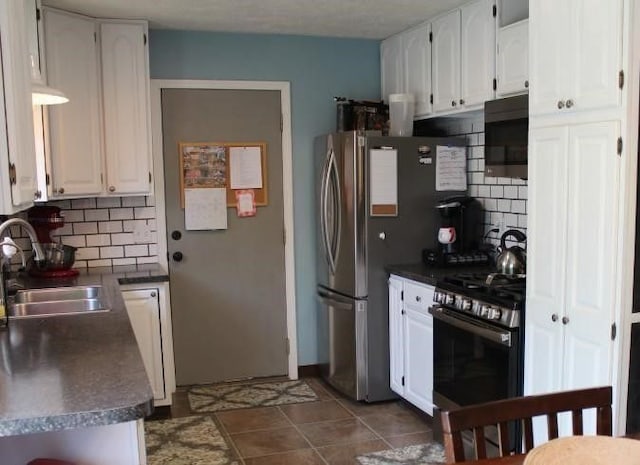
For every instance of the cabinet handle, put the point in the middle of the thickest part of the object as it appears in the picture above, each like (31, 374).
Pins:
(560, 104)
(418, 298)
(61, 190)
(569, 103)
(565, 320)
(153, 294)
(461, 101)
(112, 188)
(526, 84)
(37, 195)
(453, 103)
(554, 317)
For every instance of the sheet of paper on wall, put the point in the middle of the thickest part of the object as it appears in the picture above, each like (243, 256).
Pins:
(246, 203)
(205, 209)
(383, 185)
(246, 167)
(451, 168)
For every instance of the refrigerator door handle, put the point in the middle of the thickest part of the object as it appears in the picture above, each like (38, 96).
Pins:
(325, 299)
(323, 210)
(334, 241)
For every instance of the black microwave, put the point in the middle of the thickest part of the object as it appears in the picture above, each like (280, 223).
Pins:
(506, 128)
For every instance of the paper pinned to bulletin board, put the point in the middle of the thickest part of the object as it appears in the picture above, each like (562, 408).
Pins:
(228, 165)
(383, 173)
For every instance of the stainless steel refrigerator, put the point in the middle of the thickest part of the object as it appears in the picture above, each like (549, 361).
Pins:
(354, 244)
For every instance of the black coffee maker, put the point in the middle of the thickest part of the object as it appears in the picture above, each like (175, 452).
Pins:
(459, 234)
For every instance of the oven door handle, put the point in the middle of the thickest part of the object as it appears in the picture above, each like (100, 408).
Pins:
(495, 335)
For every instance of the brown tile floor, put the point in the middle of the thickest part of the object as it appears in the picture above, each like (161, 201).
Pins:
(333, 430)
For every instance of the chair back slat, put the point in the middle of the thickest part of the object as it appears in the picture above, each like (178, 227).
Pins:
(503, 437)
(500, 413)
(552, 424)
(480, 443)
(576, 417)
(527, 424)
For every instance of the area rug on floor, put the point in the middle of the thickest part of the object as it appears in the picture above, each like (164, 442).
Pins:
(217, 397)
(186, 441)
(421, 454)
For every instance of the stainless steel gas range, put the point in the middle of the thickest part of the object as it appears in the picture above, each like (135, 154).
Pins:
(478, 339)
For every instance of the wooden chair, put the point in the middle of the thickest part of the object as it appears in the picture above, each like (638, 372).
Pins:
(500, 413)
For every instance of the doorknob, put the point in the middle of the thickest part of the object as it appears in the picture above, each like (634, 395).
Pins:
(177, 256)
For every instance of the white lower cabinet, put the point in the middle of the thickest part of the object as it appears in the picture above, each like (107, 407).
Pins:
(147, 307)
(411, 341)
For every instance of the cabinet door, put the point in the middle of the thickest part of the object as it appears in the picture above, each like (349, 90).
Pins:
(396, 339)
(445, 63)
(591, 250)
(418, 356)
(549, 37)
(17, 127)
(546, 249)
(513, 59)
(477, 52)
(596, 54)
(125, 81)
(391, 66)
(74, 127)
(144, 313)
(417, 67)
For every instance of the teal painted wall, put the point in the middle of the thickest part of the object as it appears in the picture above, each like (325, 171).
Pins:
(318, 69)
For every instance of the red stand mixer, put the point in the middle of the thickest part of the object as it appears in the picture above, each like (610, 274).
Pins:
(59, 258)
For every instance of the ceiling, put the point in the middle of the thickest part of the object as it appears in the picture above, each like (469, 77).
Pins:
(369, 19)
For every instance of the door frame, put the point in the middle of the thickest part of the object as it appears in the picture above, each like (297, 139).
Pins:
(157, 85)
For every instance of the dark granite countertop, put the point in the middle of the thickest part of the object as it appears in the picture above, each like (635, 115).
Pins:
(430, 275)
(64, 372)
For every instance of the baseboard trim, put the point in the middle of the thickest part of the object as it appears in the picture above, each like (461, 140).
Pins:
(307, 371)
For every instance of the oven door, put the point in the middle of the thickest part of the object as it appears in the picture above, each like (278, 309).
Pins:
(473, 361)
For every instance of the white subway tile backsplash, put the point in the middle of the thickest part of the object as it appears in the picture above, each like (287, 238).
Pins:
(497, 192)
(522, 221)
(74, 241)
(96, 263)
(504, 180)
(518, 206)
(73, 216)
(100, 214)
(136, 250)
(511, 192)
(85, 228)
(144, 213)
(124, 261)
(110, 227)
(134, 201)
(491, 204)
(88, 253)
(523, 192)
(67, 229)
(122, 239)
(108, 202)
(484, 191)
(151, 201)
(121, 213)
(153, 249)
(62, 204)
(477, 178)
(98, 240)
(83, 203)
(473, 191)
(504, 205)
(145, 260)
(510, 220)
(112, 252)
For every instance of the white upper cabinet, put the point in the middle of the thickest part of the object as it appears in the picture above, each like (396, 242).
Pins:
(18, 184)
(417, 67)
(512, 54)
(75, 166)
(445, 61)
(125, 86)
(478, 57)
(391, 56)
(463, 57)
(575, 55)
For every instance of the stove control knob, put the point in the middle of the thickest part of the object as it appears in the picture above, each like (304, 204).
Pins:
(476, 308)
(448, 299)
(436, 297)
(465, 304)
(484, 311)
(494, 314)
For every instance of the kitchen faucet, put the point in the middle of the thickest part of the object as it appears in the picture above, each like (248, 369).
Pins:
(4, 264)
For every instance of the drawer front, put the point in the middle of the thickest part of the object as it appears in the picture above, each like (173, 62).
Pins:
(418, 297)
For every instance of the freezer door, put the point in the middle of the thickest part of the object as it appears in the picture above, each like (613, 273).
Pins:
(340, 201)
(343, 342)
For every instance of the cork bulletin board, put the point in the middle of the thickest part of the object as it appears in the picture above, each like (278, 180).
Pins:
(210, 164)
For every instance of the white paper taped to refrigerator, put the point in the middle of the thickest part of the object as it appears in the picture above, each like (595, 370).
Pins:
(205, 209)
(451, 168)
(383, 182)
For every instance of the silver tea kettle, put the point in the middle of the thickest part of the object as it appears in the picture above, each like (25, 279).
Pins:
(512, 260)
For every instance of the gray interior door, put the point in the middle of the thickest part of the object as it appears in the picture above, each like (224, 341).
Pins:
(228, 292)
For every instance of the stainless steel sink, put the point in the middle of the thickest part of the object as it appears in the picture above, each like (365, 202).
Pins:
(57, 301)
